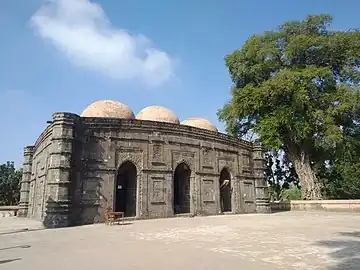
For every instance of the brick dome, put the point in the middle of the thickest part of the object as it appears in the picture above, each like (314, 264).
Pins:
(108, 108)
(200, 123)
(158, 113)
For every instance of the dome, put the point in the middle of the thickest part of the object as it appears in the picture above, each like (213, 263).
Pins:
(199, 123)
(108, 108)
(158, 113)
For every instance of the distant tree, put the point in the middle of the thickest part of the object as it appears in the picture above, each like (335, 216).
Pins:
(297, 89)
(10, 178)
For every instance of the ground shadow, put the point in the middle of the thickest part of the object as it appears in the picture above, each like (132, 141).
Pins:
(22, 231)
(346, 251)
(21, 246)
(10, 260)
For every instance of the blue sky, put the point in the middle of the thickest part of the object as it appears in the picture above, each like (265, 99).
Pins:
(63, 55)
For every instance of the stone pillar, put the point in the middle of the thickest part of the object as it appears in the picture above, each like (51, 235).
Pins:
(193, 194)
(237, 195)
(25, 182)
(58, 203)
(261, 188)
(199, 204)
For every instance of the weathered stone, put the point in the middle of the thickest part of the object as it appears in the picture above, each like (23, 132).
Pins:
(25, 182)
(77, 169)
(261, 188)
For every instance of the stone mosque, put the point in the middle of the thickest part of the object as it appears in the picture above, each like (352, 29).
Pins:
(148, 166)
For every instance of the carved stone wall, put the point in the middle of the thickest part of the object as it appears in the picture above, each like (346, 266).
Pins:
(86, 153)
(156, 149)
(35, 174)
(25, 182)
(60, 175)
(48, 182)
(261, 188)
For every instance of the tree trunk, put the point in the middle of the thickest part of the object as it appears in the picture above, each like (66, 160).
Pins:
(310, 187)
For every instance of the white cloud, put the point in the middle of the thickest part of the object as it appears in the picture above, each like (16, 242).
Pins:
(81, 30)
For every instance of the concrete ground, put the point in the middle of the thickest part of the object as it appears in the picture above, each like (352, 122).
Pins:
(292, 240)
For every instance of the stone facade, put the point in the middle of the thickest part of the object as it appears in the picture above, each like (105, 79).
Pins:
(79, 166)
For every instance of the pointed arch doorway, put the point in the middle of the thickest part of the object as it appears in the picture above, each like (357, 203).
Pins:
(225, 191)
(181, 201)
(126, 189)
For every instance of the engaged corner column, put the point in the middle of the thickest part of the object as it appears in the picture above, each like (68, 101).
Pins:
(261, 187)
(58, 202)
(25, 182)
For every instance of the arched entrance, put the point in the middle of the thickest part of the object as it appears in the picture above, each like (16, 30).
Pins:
(225, 191)
(125, 189)
(182, 189)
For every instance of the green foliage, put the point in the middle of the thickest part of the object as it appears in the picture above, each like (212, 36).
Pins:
(10, 179)
(342, 177)
(293, 193)
(297, 88)
(343, 181)
(280, 174)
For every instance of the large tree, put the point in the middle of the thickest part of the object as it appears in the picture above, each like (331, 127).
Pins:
(297, 89)
(10, 178)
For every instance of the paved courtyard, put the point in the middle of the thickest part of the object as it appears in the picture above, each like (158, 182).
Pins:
(292, 240)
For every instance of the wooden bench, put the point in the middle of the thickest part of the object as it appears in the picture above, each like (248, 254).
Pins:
(112, 217)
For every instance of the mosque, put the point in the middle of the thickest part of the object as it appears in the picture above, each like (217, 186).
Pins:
(148, 166)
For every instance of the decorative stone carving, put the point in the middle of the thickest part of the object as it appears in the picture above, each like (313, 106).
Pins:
(156, 152)
(208, 190)
(246, 166)
(207, 159)
(246, 157)
(184, 157)
(261, 188)
(82, 150)
(249, 191)
(135, 158)
(246, 160)
(157, 190)
(227, 163)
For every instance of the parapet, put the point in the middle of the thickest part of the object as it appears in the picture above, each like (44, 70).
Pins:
(29, 150)
(65, 116)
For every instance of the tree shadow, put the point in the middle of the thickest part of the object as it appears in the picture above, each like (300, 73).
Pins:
(9, 260)
(347, 251)
(22, 231)
(21, 246)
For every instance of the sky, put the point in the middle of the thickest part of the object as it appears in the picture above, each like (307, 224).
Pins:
(62, 55)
